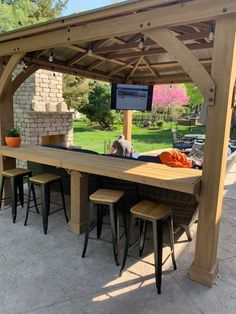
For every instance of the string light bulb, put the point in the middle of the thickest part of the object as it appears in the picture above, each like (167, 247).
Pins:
(211, 32)
(90, 50)
(51, 57)
(141, 43)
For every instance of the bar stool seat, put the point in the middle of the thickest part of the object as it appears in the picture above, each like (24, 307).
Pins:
(110, 198)
(106, 196)
(16, 176)
(158, 214)
(16, 172)
(44, 181)
(150, 210)
(45, 178)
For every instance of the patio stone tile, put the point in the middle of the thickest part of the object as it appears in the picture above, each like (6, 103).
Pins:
(46, 274)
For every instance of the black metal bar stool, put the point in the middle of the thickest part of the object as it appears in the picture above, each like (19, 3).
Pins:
(44, 181)
(16, 177)
(109, 198)
(158, 214)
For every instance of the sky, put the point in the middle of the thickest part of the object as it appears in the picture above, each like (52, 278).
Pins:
(75, 6)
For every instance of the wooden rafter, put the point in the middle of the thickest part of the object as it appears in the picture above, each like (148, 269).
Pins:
(174, 64)
(23, 76)
(95, 65)
(131, 73)
(150, 67)
(99, 57)
(77, 58)
(187, 60)
(155, 51)
(120, 68)
(9, 68)
(172, 15)
(148, 43)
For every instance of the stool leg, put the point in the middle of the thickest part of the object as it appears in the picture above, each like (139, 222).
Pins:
(99, 220)
(34, 198)
(158, 246)
(45, 192)
(2, 178)
(20, 185)
(171, 235)
(63, 201)
(34, 194)
(127, 244)
(125, 221)
(113, 219)
(143, 232)
(14, 198)
(86, 236)
(31, 185)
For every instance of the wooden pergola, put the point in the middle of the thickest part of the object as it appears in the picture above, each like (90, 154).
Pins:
(175, 47)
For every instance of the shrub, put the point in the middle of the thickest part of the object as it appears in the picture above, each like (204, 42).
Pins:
(160, 124)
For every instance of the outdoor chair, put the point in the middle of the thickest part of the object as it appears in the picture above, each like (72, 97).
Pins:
(180, 143)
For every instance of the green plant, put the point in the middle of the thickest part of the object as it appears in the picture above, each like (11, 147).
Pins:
(13, 133)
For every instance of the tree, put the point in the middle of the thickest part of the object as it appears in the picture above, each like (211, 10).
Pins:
(195, 97)
(98, 108)
(76, 91)
(19, 13)
(169, 95)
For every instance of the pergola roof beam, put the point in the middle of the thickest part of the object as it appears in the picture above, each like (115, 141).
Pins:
(85, 17)
(189, 12)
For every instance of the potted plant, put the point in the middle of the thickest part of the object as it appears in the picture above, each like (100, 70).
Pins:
(13, 138)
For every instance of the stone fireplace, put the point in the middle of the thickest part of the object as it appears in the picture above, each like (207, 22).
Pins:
(40, 111)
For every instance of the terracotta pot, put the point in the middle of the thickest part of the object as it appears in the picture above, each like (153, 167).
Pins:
(13, 141)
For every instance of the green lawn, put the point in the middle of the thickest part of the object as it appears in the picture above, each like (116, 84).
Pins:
(143, 139)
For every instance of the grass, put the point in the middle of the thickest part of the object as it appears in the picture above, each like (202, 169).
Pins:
(143, 139)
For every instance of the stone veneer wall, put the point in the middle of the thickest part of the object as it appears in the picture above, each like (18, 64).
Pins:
(40, 110)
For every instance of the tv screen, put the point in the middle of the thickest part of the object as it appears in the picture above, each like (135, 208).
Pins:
(131, 97)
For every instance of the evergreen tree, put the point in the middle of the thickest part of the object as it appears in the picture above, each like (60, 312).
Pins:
(18, 13)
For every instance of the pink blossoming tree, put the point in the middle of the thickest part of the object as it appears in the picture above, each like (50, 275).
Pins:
(169, 95)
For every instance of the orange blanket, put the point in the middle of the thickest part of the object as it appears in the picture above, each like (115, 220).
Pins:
(174, 158)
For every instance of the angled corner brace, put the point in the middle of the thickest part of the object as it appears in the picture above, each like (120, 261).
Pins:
(23, 76)
(187, 60)
(9, 68)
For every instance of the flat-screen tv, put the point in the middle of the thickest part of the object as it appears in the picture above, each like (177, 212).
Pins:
(131, 97)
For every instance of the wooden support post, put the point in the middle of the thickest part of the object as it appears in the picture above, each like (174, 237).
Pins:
(127, 124)
(79, 201)
(6, 122)
(205, 265)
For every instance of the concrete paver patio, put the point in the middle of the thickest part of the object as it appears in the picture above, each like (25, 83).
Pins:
(46, 274)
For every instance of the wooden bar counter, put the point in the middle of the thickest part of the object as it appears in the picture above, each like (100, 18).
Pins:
(81, 164)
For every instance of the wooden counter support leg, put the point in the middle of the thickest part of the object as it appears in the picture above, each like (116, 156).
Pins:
(79, 201)
(205, 265)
